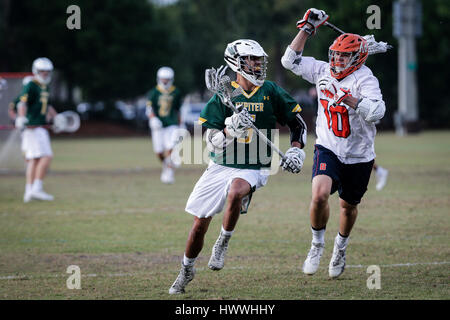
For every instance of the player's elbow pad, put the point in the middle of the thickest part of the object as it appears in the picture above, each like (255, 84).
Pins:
(216, 140)
(291, 60)
(298, 130)
(371, 110)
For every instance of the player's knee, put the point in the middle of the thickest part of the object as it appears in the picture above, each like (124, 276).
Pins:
(199, 228)
(348, 209)
(320, 198)
(235, 195)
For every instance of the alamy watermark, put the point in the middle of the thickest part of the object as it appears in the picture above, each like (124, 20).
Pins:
(74, 20)
(74, 280)
(374, 20)
(249, 150)
(374, 280)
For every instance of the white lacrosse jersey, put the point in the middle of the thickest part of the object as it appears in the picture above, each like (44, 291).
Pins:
(339, 129)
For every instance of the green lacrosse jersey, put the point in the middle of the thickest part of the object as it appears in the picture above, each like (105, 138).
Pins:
(13, 104)
(35, 95)
(267, 105)
(166, 104)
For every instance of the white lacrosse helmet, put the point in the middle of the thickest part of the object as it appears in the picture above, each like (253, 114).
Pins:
(42, 64)
(238, 56)
(163, 74)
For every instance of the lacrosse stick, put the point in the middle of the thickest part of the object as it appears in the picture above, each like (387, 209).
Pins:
(67, 121)
(373, 46)
(219, 83)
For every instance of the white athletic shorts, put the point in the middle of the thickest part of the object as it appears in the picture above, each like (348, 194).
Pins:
(164, 139)
(36, 143)
(211, 190)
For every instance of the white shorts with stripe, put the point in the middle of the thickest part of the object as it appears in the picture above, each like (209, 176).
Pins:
(211, 190)
(164, 139)
(36, 143)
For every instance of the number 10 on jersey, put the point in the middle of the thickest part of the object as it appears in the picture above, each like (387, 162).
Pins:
(337, 118)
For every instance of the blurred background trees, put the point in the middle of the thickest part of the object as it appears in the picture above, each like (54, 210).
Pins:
(122, 43)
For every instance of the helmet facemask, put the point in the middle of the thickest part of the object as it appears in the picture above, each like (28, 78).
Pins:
(44, 79)
(340, 69)
(165, 77)
(253, 68)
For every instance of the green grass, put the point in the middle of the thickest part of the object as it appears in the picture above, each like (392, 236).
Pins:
(126, 231)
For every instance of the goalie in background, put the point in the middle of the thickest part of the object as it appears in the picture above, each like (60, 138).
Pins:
(163, 110)
(234, 171)
(349, 104)
(33, 110)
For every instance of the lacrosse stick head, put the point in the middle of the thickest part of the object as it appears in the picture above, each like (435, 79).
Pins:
(347, 54)
(67, 121)
(220, 84)
(375, 47)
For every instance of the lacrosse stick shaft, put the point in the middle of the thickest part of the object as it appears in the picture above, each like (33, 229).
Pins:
(259, 133)
(332, 26)
(12, 127)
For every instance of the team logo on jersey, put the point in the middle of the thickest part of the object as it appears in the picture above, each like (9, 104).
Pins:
(323, 166)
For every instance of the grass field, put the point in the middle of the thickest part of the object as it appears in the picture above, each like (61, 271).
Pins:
(126, 231)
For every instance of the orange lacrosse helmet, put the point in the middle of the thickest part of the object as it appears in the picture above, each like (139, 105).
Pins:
(350, 43)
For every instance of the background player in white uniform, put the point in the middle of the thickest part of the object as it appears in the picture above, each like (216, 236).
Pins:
(349, 103)
(264, 103)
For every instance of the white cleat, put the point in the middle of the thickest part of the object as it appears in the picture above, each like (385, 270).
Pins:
(185, 276)
(170, 176)
(27, 197)
(337, 262)
(312, 261)
(381, 174)
(219, 250)
(41, 195)
(167, 175)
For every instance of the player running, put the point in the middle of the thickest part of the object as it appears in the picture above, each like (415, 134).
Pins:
(349, 103)
(34, 111)
(234, 171)
(163, 106)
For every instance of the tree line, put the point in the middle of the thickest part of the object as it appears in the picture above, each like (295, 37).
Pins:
(122, 43)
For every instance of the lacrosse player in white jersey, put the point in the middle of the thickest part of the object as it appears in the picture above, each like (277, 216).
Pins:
(227, 179)
(349, 104)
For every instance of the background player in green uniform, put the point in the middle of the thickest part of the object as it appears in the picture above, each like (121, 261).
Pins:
(163, 107)
(237, 166)
(33, 110)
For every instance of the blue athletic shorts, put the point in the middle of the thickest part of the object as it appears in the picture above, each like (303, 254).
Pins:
(350, 180)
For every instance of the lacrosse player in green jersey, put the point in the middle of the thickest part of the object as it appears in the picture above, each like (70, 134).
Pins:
(240, 161)
(163, 107)
(34, 111)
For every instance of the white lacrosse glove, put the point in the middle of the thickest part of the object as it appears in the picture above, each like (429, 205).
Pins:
(312, 19)
(293, 160)
(238, 124)
(331, 88)
(20, 122)
(154, 123)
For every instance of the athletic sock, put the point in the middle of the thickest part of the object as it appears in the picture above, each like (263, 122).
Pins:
(227, 233)
(188, 261)
(342, 241)
(37, 185)
(318, 235)
(28, 187)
